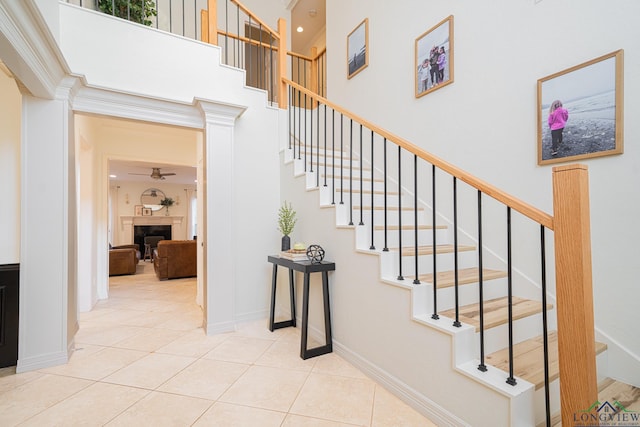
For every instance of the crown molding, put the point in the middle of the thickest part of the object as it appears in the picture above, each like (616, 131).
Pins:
(29, 49)
(219, 113)
(94, 100)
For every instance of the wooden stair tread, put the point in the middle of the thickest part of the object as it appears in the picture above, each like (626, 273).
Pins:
(610, 390)
(428, 250)
(496, 312)
(344, 178)
(529, 359)
(365, 191)
(446, 279)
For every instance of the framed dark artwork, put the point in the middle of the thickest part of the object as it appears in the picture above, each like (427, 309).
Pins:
(434, 58)
(580, 111)
(137, 210)
(358, 49)
(146, 211)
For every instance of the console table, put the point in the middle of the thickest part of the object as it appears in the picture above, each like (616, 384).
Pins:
(305, 267)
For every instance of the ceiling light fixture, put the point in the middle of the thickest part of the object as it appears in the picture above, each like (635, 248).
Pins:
(299, 29)
(112, 176)
(313, 13)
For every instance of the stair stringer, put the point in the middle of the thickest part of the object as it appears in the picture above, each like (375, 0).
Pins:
(429, 364)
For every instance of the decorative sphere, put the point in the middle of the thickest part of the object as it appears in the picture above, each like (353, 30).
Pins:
(315, 253)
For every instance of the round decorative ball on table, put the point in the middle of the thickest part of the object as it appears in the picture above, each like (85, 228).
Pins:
(315, 253)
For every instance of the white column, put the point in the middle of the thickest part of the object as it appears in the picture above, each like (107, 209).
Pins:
(218, 236)
(47, 279)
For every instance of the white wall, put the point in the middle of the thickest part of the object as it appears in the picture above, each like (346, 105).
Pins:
(190, 71)
(485, 122)
(10, 103)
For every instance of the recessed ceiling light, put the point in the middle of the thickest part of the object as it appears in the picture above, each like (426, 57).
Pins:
(112, 176)
(299, 29)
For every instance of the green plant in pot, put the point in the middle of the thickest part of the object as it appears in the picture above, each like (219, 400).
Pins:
(167, 202)
(286, 221)
(134, 10)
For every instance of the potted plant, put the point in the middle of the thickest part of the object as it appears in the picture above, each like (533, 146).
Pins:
(134, 10)
(286, 221)
(166, 202)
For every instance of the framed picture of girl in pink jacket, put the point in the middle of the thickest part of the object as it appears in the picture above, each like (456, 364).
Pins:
(580, 111)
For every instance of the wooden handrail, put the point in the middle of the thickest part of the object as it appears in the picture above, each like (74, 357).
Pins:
(297, 55)
(247, 40)
(525, 209)
(255, 18)
(319, 54)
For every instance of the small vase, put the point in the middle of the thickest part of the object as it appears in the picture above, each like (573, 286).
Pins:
(286, 243)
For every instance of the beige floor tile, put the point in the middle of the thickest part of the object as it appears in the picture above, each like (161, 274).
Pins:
(239, 349)
(31, 398)
(9, 380)
(226, 415)
(104, 334)
(184, 322)
(94, 406)
(206, 379)
(260, 329)
(300, 421)
(150, 371)
(193, 344)
(333, 364)
(96, 365)
(266, 388)
(335, 398)
(388, 410)
(286, 354)
(162, 409)
(150, 319)
(149, 340)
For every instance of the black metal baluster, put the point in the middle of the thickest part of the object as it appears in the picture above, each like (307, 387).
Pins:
(259, 60)
(416, 281)
(361, 166)
(183, 16)
(272, 97)
(386, 248)
(333, 162)
(341, 160)
(238, 58)
(373, 246)
(305, 130)
(226, 31)
(435, 315)
(290, 112)
(318, 143)
(351, 173)
(511, 380)
(299, 125)
(325, 146)
(456, 322)
(481, 367)
(545, 338)
(171, 20)
(311, 134)
(400, 213)
(250, 68)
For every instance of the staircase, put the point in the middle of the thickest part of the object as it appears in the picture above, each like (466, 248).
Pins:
(333, 178)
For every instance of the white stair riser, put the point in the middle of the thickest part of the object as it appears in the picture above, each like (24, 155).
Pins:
(469, 294)
(444, 262)
(425, 237)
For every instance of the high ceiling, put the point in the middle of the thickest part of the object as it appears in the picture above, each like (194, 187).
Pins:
(141, 172)
(303, 15)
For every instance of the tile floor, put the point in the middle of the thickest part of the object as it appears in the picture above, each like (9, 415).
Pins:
(142, 359)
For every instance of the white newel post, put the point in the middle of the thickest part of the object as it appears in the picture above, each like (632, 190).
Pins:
(48, 308)
(218, 233)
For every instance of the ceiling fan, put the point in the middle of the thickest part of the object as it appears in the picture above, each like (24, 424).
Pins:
(155, 174)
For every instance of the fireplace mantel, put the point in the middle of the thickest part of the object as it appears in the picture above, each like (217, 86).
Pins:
(128, 222)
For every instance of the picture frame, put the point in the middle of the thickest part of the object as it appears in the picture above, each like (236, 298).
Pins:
(591, 94)
(358, 49)
(137, 210)
(146, 211)
(434, 56)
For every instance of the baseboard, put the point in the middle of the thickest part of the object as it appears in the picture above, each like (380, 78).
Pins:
(408, 395)
(218, 328)
(623, 365)
(254, 315)
(41, 362)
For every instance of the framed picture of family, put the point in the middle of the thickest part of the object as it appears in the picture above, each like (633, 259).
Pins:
(580, 111)
(358, 49)
(434, 58)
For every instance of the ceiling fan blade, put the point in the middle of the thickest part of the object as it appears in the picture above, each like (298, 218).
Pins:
(167, 174)
(145, 174)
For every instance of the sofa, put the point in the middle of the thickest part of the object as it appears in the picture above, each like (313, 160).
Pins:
(173, 259)
(123, 259)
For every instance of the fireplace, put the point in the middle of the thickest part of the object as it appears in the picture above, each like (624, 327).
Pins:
(141, 231)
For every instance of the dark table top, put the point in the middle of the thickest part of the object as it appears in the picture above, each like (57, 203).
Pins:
(303, 266)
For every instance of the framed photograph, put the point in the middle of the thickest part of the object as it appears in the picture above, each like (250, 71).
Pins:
(146, 211)
(358, 49)
(137, 210)
(434, 58)
(580, 111)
